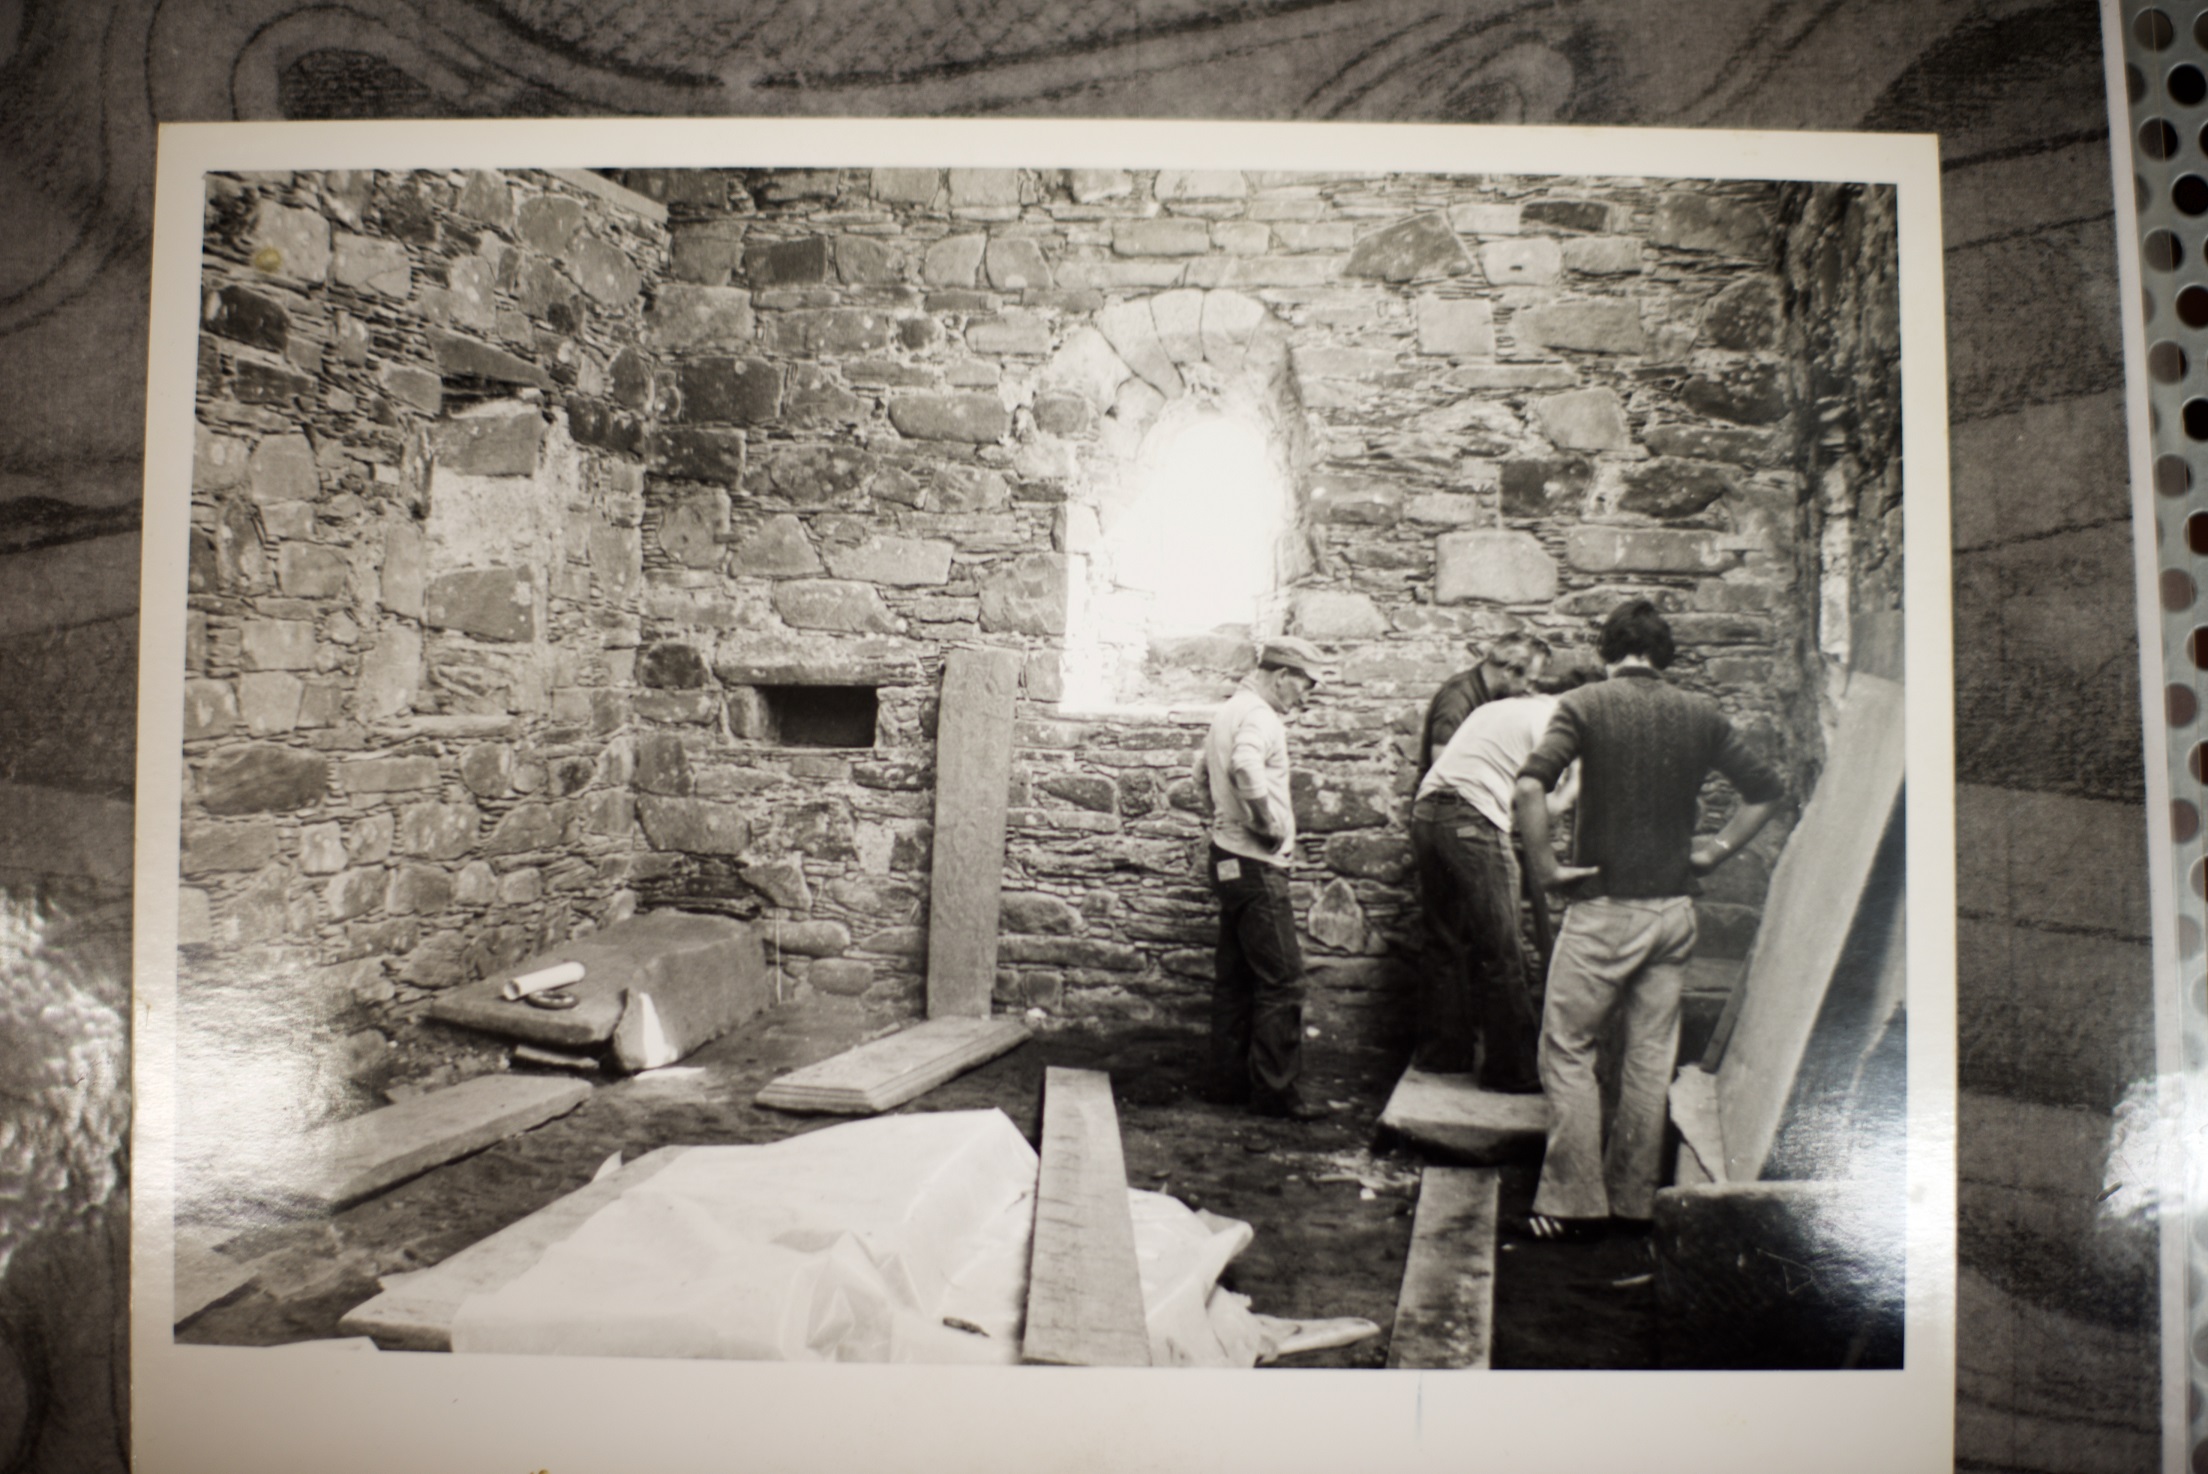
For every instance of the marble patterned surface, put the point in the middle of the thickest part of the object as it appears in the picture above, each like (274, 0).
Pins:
(2058, 1356)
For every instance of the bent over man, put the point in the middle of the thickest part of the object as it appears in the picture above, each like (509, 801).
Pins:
(1241, 775)
(1644, 748)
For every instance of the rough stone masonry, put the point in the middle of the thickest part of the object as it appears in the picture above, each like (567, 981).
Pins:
(565, 544)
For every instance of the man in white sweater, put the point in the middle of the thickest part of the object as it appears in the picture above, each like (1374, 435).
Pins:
(1241, 777)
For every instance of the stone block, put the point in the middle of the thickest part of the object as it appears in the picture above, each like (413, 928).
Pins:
(1480, 219)
(843, 977)
(1026, 596)
(464, 358)
(369, 843)
(487, 603)
(741, 391)
(1457, 327)
(1583, 325)
(1015, 265)
(1719, 443)
(983, 188)
(786, 263)
(810, 938)
(1582, 215)
(832, 604)
(975, 418)
(690, 528)
(219, 462)
(1747, 393)
(367, 263)
(1334, 614)
(1702, 222)
(662, 764)
(1356, 502)
(487, 198)
(1175, 185)
(259, 382)
(1336, 919)
(352, 893)
(1366, 856)
(277, 644)
(417, 890)
(1512, 376)
(309, 571)
(437, 831)
(837, 332)
(954, 261)
(1746, 315)
(1086, 364)
(822, 475)
(499, 439)
(672, 666)
(289, 242)
(1445, 509)
(1602, 255)
(1161, 236)
(412, 385)
(1412, 250)
(268, 701)
(1242, 237)
(1083, 790)
(1061, 414)
(282, 469)
(779, 547)
(905, 186)
(1332, 807)
(780, 881)
(322, 849)
(1522, 261)
(208, 849)
(905, 562)
(1133, 334)
(1583, 419)
(1543, 488)
(263, 778)
(862, 261)
(604, 271)
(547, 222)
(390, 673)
(1597, 549)
(1020, 334)
(1667, 487)
(697, 454)
(1092, 186)
(247, 317)
(387, 775)
(525, 827)
(693, 825)
(683, 317)
(1498, 567)
(210, 708)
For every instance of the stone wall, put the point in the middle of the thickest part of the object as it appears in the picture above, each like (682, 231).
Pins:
(415, 596)
(560, 549)
(909, 408)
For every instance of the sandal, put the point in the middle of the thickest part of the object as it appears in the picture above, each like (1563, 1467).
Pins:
(1545, 1228)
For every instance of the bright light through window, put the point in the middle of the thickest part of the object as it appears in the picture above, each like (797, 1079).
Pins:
(1207, 518)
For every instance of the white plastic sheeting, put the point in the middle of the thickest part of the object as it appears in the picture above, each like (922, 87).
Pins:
(899, 1238)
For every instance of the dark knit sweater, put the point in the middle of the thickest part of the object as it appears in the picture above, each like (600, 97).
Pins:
(1644, 748)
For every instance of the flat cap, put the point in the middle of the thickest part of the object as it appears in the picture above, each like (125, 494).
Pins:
(1286, 652)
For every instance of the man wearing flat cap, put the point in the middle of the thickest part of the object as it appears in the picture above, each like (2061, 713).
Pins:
(1241, 776)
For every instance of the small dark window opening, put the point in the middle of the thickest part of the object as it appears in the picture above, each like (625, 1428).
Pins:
(821, 716)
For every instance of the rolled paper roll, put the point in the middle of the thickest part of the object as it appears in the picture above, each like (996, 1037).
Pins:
(557, 975)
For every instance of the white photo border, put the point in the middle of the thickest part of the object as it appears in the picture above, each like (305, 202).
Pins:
(201, 1407)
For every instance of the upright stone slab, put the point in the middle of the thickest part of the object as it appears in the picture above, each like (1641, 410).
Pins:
(973, 764)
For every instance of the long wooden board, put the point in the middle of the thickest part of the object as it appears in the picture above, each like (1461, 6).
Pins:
(1451, 1114)
(1084, 1284)
(348, 1160)
(1445, 1313)
(973, 767)
(415, 1311)
(885, 1073)
(1815, 891)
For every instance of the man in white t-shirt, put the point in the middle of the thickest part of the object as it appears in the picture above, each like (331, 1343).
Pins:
(1477, 976)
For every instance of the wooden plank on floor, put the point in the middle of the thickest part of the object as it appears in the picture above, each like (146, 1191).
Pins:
(348, 1160)
(1701, 1135)
(1451, 1114)
(1444, 1316)
(884, 1073)
(1084, 1284)
(1815, 891)
(973, 767)
(415, 1311)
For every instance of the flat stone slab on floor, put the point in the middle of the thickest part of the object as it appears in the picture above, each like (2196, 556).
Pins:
(348, 1160)
(1446, 1314)
(202, 1277)
(415, 1311)
(1450, 1114)
(885, 1073)
(705, 975)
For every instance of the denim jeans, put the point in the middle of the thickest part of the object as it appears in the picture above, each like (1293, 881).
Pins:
(1611, 954)
(1477, 981)
(1257, 981)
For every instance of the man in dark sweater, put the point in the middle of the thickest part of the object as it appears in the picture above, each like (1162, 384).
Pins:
(1644, 748)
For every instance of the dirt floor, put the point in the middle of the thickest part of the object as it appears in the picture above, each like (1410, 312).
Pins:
(1330, 1202)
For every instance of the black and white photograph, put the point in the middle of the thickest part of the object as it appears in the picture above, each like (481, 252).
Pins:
(1156, 767)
